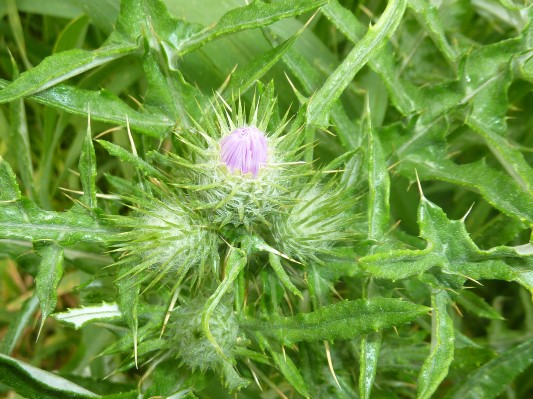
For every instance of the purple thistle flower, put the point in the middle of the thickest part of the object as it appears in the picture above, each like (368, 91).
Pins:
(244, 150)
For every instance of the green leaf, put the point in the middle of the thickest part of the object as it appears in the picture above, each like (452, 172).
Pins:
(20, 141)
(18, 33)
(127, 156)
(287, 367)
(254, 15)
(87, 168)
(60, 67)
(435, 367)
(311, 79)
(18, 325)
(232, 380)
(322, 101)
(490, 380)
(129, 291)
(33, 383)
(428, 14)
(510, 158)
(486, 76)
(482, 88)
(480, 177)
(382, 62)
(398, 264)
(342, 320)
(8, 182)
(23, 220)
(104, 106)
(344, 20)
(275, 263)
(165, 383)
(73, 35)
(475, 304)
(48, 278)
(450, 247)
(235, 263)
(161, 93)
(79, 317)
(103, 13)
(246, 76)
(370, 346)
(378, 185)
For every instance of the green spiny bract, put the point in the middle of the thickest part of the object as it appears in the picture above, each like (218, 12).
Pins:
(162, 240)
(322, 217)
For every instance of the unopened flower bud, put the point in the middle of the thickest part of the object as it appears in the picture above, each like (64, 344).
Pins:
(244, 150)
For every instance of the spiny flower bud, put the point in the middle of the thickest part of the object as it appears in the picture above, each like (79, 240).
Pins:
(322, 218)
(237, 166)
(244, 150)
(191, 343)
(161, 241)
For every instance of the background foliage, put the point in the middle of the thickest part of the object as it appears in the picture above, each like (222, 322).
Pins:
(426, 104)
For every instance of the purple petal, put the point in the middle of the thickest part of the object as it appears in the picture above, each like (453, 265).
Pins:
(244, 150)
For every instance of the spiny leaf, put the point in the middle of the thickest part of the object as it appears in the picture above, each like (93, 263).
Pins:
(311, 79)
(20, 140)
(435, 367)
(450, 247)
(253, 15)
(245, 77)
(379, 186)
(80, 317)
(383, 63)
(480, 177)
(510, 158)
(428, 13)
(485, 77)
(61, 66)
(235, 263)
(376, 37)
(490, 380)
(32, 382)
(342, 320)
(48, 278)
(104, 106)
(23, 220)
(129, 291)
(275, 262)
(287, 368)
(370, 346)
(18, 324)
(8, 182)
(87, 168)
(475, 304)
(126, 156)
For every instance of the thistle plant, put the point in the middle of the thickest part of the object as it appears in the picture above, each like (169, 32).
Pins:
(259, 199)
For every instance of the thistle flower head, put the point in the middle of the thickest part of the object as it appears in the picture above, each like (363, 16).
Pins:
(244, 150)
(239, 167)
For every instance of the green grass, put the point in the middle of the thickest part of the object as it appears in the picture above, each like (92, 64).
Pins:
(384, 251)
